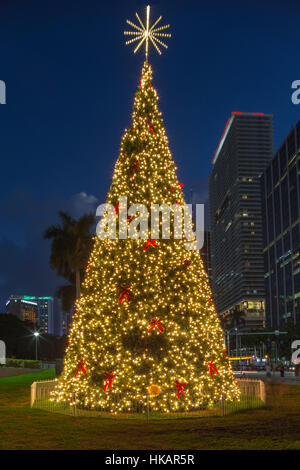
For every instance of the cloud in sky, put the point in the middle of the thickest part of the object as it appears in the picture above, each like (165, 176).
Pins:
(83, 203)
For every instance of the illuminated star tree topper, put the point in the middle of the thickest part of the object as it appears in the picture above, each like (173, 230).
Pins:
(144, 33)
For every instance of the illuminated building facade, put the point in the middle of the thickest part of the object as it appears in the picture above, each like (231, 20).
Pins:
(244, 151)
(37, 310)
(23, 307)
(45, 315)
(280, 184)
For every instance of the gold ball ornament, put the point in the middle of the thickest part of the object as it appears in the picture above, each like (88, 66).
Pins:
(154, 390)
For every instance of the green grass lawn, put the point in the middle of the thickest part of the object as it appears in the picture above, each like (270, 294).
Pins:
(274, 427)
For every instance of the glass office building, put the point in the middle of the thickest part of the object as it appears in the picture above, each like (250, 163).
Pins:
(280, 184)
(244, 151)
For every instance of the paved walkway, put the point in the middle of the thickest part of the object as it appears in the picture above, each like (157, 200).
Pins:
(289, 377)
(12, 371)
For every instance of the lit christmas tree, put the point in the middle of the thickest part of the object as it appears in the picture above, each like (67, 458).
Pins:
(145, 321)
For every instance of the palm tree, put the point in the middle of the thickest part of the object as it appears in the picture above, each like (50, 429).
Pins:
(70, 248)
(67, 295)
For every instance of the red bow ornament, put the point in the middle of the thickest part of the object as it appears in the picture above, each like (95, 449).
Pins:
(109, 376)
(134, 168)
(150, 127)
(124, 292)
(180, 184)
(153, 323)
(88, 266)
(179, 387)
(149, 243)
(187, 263)
(212, 369)
(117, 208)
(80, 366)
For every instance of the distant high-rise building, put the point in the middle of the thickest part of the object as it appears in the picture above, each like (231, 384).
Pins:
(280, 184)
(66, 321)
(58, 317)
(245, 149)
(46, 315)
(38, 310)
(24, 307)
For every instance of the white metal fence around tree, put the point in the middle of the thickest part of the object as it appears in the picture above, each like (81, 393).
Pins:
(253, 395)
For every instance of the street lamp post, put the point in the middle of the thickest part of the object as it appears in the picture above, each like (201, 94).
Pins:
(228, 332)
(228, 343)
(36, 334)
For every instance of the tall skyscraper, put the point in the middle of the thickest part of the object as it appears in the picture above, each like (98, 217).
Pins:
(280, 195)
(38, 310)
(46, 315)
(245, 149)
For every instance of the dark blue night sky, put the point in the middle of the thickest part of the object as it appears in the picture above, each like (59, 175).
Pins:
(70, 85)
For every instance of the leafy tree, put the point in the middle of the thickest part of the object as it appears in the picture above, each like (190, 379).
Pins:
(67, 293)
(20, 343)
